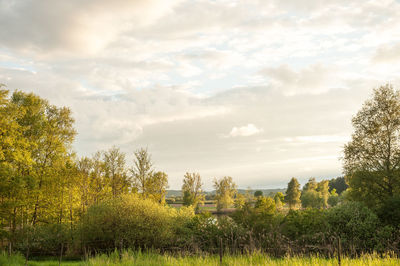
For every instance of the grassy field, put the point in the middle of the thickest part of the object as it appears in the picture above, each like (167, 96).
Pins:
(139, 258)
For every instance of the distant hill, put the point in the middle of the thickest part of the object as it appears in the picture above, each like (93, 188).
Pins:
(266, 192)
(173, 193)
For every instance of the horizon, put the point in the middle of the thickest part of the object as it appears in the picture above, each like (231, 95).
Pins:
(261, 92)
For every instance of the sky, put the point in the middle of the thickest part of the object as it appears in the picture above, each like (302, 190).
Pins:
(258, 90)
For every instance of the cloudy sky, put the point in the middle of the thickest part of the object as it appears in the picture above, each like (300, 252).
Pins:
(257, 90)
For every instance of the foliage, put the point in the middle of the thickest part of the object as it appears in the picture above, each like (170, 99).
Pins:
(315, 195)
(334, 198)
(35, 159)
(279, 199)
(310, 199)
(50, 201)
(339, 184)
(389, 213)
(157, 186)
(306, 225)
(225, 190)
(131, 221)
(143, 170)
(293, 193)
(240, 201)
(355, 224)
(115, 171)
(258, 193)
(372, 157)
(192, 190)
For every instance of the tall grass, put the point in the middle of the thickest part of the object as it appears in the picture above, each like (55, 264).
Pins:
(151, 258)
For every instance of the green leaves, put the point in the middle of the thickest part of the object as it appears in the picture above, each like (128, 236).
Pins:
(225, 190)
(293, 193)
(192, 190)
(372, 157)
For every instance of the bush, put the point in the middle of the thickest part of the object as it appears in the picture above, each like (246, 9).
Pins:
(355, 224)
(43, 239)
(309, 226)
(130, 222)
(389, 213)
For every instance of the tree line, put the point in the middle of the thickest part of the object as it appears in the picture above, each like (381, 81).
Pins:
(51, 201)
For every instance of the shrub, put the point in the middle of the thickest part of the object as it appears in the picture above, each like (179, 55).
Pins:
(43, 239)
(305, 225)
(355, 224)
(389, 213)
(131, 221)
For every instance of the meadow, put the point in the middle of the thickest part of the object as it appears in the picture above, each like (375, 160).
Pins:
(152, 258)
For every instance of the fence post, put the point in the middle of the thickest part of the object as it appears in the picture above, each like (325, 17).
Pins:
(120, 249)
(61, 253)
(339, 251)
(220, 250)
(27, 253)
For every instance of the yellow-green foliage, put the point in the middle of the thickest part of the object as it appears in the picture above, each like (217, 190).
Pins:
(133, 221)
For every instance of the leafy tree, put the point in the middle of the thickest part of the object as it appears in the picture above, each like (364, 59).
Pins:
(333, 199)
(258, 193)
(323, 190)
(225, 190)
(372, 157)
(354, 223)
(293, 193)
(389, 213)
(279, 199)
(157, 187)
(84, 167)
(15, 164)
(265, 205)
(143, 170)
(115, 171)
(310, 199)
(240, 201)
(310, 185)
(192, 190)
(35, 155)
(50, 130)
(339, 184)
(315, 195)
(280, 196)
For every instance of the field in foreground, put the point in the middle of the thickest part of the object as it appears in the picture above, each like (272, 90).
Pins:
(139, 258)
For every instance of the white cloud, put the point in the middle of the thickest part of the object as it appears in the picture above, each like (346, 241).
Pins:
(318, 139)
(43, 27)
(245, 131)
(316, 78)
(173, 75)
(387, 54)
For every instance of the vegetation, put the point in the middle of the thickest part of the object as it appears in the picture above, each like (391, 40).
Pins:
(293, 193)
(55, 204)
(152, 258)
(225, 190)
(372, 157)
(192, 191)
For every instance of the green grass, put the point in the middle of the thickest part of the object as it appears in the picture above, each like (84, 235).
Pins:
(145, 258)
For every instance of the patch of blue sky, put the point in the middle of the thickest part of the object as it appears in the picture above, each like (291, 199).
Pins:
(235, 78)
(17, 66)
(109, 94)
